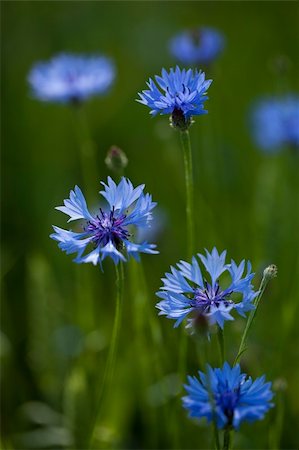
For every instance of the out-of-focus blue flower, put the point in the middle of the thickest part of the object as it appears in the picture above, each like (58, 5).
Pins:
(107, 233)
(71, 78)
(199, 46)
(186, 292)
(180, 93)
(228, 395)
(275, 122)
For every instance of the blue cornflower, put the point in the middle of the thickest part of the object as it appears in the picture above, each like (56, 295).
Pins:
(227, 395)
(107, 233)
(275, 122)
(180, 93)
(71, 78)
(199, 46)
(185, 290)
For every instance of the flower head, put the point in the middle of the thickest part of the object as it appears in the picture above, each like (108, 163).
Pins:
(228, 395)
(179, 93)
(199, 46)
(275, 123)
(107, 233)
(186, 292)
(71, 78)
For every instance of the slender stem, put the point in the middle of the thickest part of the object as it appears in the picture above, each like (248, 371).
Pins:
(216, 435)
(251, 317)
(185, 141)
(86, 148)
(220, 335)
(110, 365)
(227, 439)
(187, 153)
(117, 321)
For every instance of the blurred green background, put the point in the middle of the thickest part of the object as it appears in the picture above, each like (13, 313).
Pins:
(56, 316)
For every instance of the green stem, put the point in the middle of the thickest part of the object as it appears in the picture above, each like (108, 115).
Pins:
(227, 439)
(187, 153)
(87, 150)
(110, 365)
(216, 434)
(251, 317)
(186, 145)
(220, 335)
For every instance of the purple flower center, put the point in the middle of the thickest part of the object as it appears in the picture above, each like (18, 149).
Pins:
(210, 296)
(107, 227)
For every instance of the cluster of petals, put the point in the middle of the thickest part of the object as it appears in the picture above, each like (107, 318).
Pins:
(185, 290)
(71, 78)
(227, 396)
(199, 46)
(176, 90)
(275, 122)
(108, 232)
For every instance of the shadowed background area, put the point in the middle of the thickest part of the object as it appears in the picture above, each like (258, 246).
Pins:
(56, 316)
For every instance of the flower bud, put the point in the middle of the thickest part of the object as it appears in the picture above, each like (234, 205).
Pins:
(270, 272)
(116, 159)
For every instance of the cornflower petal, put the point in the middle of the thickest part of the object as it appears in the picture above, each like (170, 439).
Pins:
(92, 257)
(110, 250)
(135, 249)
(214, 263)
(191, 271)
(69, 241)
(121, 197)
(75, 206)
(141, 214)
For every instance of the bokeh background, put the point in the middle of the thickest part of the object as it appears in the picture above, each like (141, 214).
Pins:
(57, 317)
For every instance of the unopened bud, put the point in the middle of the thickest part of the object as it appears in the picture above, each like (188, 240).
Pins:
(116, 159)
(270, 272)
(280, 384)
